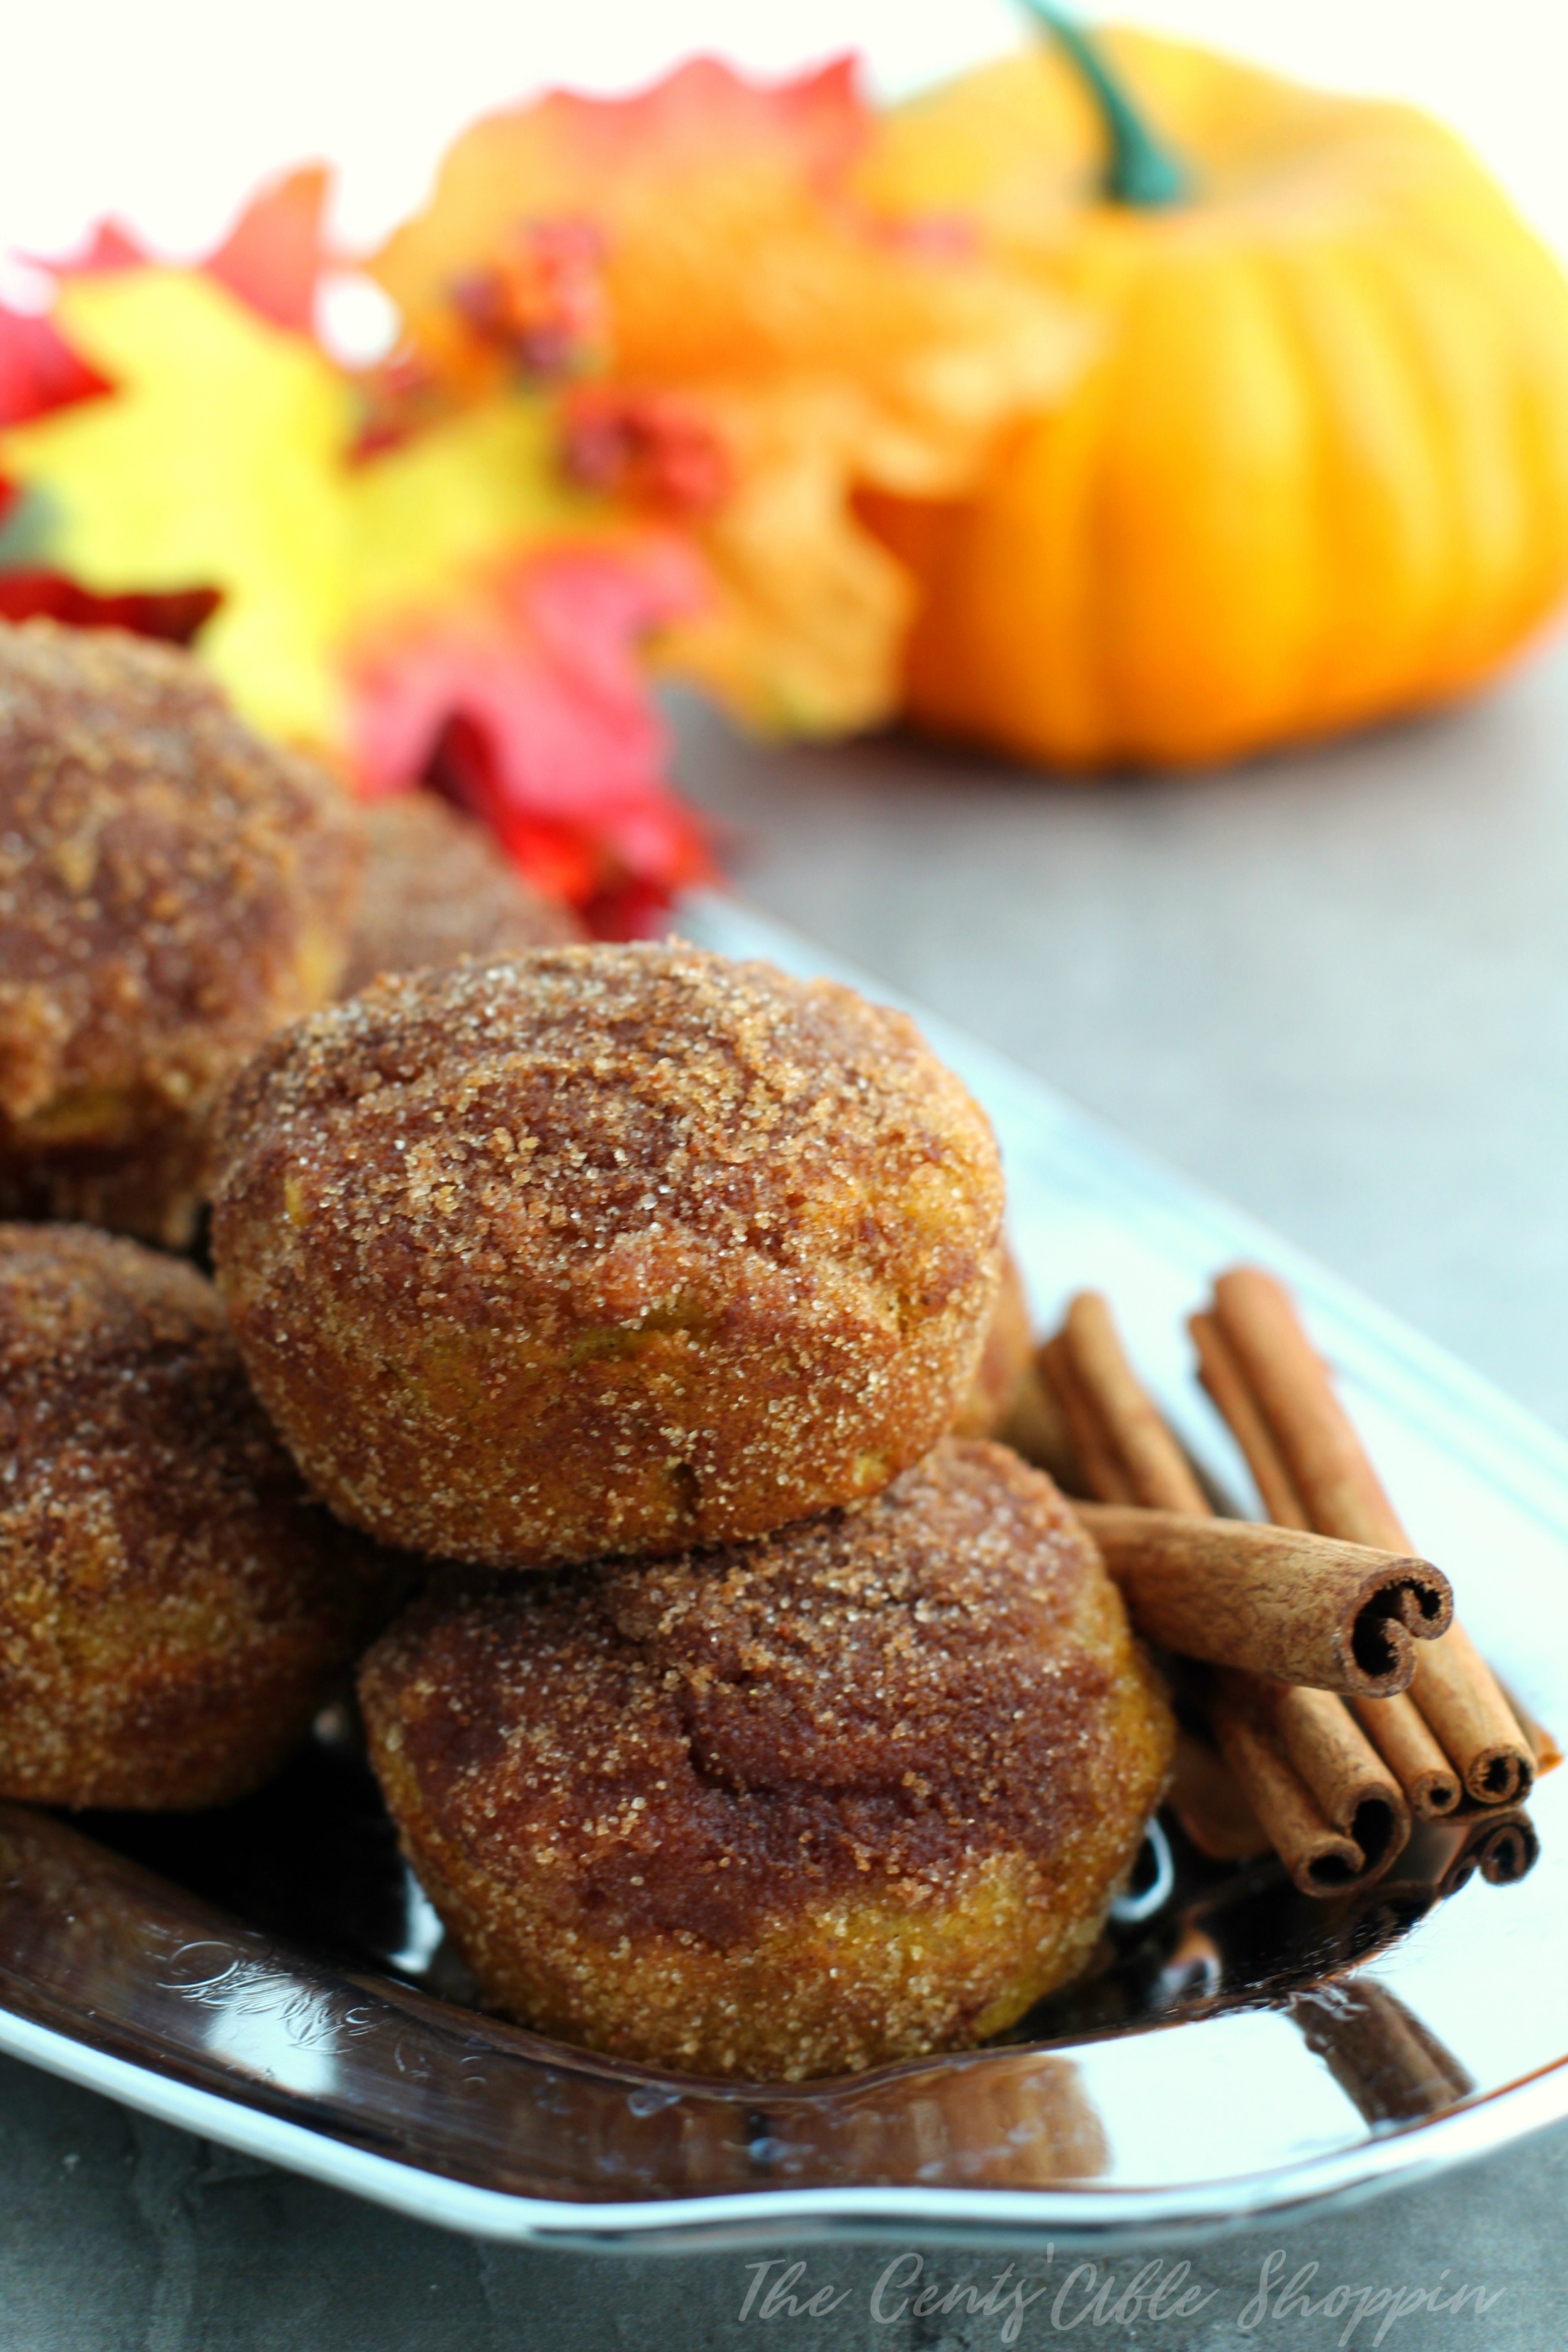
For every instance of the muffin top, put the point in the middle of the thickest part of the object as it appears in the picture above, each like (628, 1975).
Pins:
(171, 886)
(606, 1125)
(604, 1249)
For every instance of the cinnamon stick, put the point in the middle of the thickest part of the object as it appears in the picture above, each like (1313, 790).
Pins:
(1211, 1804)
(1156, 1470)
(1544, 1749)
(1037, 1427)
(1333, 1813)
(1321, 1859)
(1270, 1794)
(1400, 1734)
(1296, 1607)
(1104, 1474)
(1225, 1381)
(1453, 1688)
(1339, 1764)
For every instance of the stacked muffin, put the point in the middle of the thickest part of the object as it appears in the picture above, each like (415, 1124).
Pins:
(751, 1722)
(772, 1731)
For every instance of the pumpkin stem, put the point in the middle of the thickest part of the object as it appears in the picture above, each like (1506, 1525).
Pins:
(1139, 170)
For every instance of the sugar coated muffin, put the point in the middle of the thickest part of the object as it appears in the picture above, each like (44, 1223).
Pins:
(173, 1608)
(852, 1792)
(604, 1249)
(439, 886)
(171, 889)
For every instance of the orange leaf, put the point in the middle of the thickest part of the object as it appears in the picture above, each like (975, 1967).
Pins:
(765, 348)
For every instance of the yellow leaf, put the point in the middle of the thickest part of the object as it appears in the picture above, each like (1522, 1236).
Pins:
(224, 459)
(217, 461)
(428, 515)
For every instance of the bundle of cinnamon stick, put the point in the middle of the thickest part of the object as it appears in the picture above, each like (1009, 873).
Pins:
(1343, 1698)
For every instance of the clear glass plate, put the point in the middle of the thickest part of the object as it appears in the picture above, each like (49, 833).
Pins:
(270, 1977)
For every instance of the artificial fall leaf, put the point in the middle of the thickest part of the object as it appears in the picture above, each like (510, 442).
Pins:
(374, 608)
(529, 705)
(176, 616)
(433, 512)
(218, 460)
(108, 246)
(38, 369)
(274, 254)
(810, 351)
(272, 258)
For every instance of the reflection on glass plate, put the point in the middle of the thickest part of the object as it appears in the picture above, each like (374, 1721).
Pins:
(271, 1975)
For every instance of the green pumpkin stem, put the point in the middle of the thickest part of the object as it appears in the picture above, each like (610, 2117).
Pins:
(1138, 171)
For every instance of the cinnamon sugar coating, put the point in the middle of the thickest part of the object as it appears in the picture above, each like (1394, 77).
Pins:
(171, 889)
(173, 1608)
(604, 1249)
(855, 1791)
(439, 886)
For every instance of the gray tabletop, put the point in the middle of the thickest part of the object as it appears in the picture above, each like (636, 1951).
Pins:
(1336, 988)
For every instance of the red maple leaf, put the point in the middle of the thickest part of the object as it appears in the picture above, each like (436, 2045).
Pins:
(532, 711)
(108, 246)
(174, 614)
(274, 254)
(272, 258)
(38, 369)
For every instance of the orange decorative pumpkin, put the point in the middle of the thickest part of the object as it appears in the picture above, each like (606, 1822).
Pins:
(1318, 472)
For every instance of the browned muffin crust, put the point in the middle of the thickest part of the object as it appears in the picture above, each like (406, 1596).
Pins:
(438, 887)
(173, 1608)
(171, 889)
(854, 1791)
(604, 1249)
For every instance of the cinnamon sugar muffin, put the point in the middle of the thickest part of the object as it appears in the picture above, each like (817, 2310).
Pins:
(438, 887)
(171, 889)
(855, 1791)
(604, 1249)
(173, 1608)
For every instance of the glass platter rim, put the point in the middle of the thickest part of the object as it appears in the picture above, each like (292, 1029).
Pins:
(1507, 1448)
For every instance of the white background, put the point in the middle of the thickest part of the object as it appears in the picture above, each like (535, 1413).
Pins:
(167, 111)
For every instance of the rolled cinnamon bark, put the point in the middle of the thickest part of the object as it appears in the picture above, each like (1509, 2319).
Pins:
(1156, 1470)
(1094, 1447)
(1543, 1747)
(1225, 1381)
(1321, 1859)
(1399, 1732)
(1352, 1785)
(1220, 1799)
(1454, 1690)
(1211, 1804)
(1296, 1607)
(1036, 1428)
